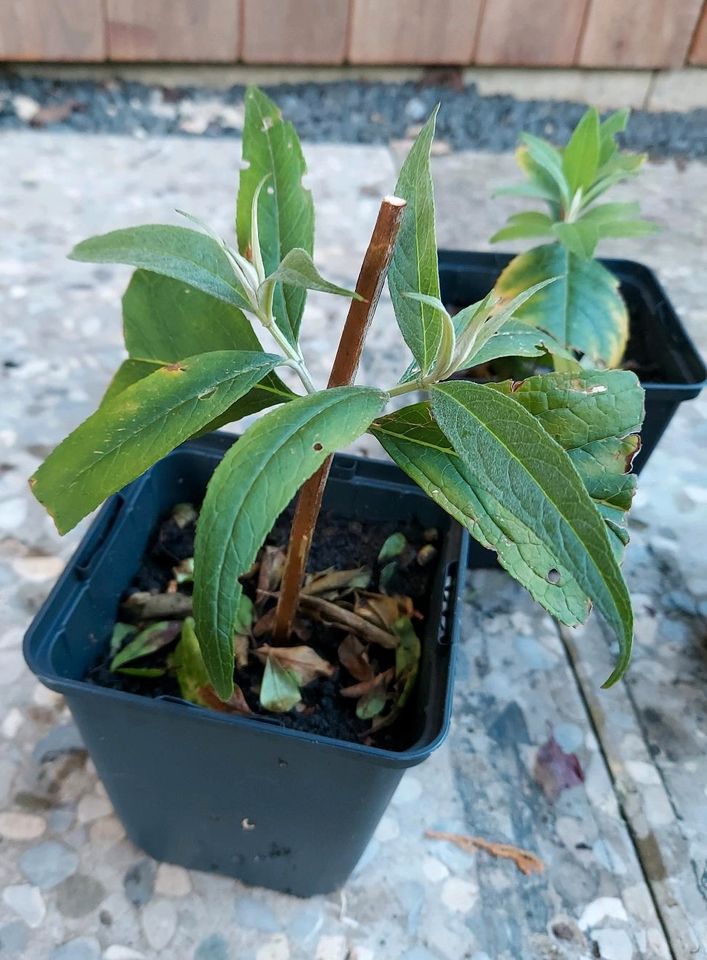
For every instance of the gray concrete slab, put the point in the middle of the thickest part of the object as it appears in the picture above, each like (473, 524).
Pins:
(624, 850)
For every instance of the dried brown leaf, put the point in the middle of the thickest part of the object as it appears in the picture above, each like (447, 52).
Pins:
(348, 620)
(157, 606)
(236, 704)
(272, 563)
(357, 690)
(353, 656)
(338, 581)
(304, 662)
(527, 862)
(382, 610)
(264, 626)
(556, 770)
(241, 648)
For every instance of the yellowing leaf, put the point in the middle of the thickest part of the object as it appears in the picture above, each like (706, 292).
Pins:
(302, 662)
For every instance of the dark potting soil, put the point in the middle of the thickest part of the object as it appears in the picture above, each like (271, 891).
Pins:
(338, 542)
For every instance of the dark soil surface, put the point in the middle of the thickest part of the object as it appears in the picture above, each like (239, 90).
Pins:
(338, 542)
(346, 111)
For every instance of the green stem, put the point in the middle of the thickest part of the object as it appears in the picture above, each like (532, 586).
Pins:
(402, 388)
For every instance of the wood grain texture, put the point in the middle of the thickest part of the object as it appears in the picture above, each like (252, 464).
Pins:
(180, 30)
(518, 33)
(295, 31)
(638, 33)
(698, 50)
(413, 31)
(44, 30)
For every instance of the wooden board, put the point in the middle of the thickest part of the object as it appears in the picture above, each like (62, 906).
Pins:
(518, 33)
(638, 33)
(698, 50)
(295, 31)
(413, 31)
(42, 30)
(180, 30)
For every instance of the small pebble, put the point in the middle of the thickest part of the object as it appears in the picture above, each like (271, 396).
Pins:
(332, 947)
(27, 902)
(81, 948)
(459, 895)
(159, 923)
(21, 826)
(139, 882)
(92, 807)
(13, 939)
(213, 948)
(277, 948)
(79, 895)
(172, 881)
(47, 864)
(12, 723)
(118, 952)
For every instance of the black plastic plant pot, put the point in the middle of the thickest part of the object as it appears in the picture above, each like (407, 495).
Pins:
(658, 343)
(244, 797)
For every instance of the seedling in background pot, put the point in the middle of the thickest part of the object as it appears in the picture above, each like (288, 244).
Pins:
(583, 310)
(537, 470)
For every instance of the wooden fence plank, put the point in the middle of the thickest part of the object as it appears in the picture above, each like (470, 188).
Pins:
(638, 33)
(413, 31)
(180, 30)
(516, 33)
(42, 30)
(698, 50)
(295, 31)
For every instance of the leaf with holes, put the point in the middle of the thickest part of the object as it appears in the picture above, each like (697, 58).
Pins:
(249, 489)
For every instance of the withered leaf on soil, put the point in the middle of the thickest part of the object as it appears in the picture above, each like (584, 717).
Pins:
(374, 700)
(426, 554)
(363, 688)
(339, 616)
(556, 770)
(382, 610)
(265, 625)
(272, 563)
(147, 641)
(188, 665)
(407, 662)
(157, 606)
(337, 582)
(236, 703)
(241, 648)
(279, 690)
(303, 662)
(354, 657)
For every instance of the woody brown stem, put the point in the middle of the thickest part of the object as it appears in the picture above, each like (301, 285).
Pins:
(343, 372)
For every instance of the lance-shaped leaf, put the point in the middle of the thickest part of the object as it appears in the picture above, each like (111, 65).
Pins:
(516, 339)
(250, 488)
(272, 150)
(297, 270)
(522, 225)
(596, 417)
(177, 252)
(413, 268)
(149, 640)
(501, 475)
(549, 159)
(580, 158)
(583, 309)
(166, 321)
(128, 434)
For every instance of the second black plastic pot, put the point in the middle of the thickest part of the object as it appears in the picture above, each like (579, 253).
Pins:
(658, 341)
(247, 798)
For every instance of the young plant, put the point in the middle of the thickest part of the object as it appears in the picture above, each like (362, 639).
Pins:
(583, 310)
(536, 470)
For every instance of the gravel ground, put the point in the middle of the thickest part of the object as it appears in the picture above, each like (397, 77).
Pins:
(339, 112)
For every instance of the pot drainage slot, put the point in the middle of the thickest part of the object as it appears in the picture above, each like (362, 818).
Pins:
(446, 620)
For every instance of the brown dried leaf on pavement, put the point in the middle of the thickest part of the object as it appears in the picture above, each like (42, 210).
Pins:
(527, 862)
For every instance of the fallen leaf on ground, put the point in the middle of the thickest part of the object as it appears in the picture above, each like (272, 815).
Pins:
(236, 703)
(346, 619)
(381, 609)
(265, 626)
(527, 862)
(272, 563)
(241, 647)
(556, 770)
(157, 606)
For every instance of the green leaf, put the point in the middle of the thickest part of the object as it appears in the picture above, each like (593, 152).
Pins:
(627, 228)
(132, 431)
(272, 149)
(515, 339)
(149, 640)
(392, 548)
(607, 212)
(583, 309)
(176, 252)
(413, 268)
(580, 158)
(297, 269)
(249, 489)
(187, 663)
(517, 463)
(279, 690)
(504, 507)
(165, 321)
(549, 160)
(121, 631)
(615, 123)
(580, 237)
(521, 225)
(541, 183)
(407, 660)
